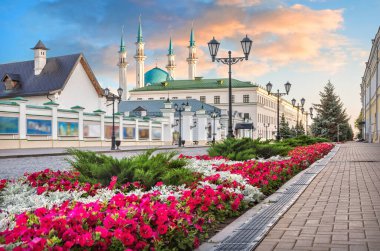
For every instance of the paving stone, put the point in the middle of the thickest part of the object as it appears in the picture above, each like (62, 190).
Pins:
(340, 209)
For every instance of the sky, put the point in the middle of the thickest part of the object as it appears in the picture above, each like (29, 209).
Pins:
(305, 42)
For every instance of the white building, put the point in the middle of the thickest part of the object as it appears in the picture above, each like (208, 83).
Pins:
(370, 92)
(63, 80)
(248, 100)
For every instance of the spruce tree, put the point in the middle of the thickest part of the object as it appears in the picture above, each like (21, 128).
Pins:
(300, 129)
(330, 114)
(284, 128)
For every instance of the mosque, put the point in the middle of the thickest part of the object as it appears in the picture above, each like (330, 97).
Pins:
(250, 101)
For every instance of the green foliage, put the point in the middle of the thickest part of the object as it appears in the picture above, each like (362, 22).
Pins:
(359, 125)
(285, 131)
(303, 140)
(268, 150)
(235, 149)
(247, 148)
(145, 168)
(331, 115)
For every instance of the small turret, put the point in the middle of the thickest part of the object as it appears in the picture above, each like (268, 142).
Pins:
(171, 61)
(39, 57)
(192, 59)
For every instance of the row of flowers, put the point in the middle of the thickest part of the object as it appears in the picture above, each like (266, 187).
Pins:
(52, 210)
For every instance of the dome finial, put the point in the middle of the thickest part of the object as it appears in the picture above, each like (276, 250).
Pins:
(170, 51)
(122, 44)
(192, 41)
(139, 32)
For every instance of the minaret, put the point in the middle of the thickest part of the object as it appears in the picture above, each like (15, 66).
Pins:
(192, 59)
(123, 68)
(171, 60)
(39, 57)
(140, 57)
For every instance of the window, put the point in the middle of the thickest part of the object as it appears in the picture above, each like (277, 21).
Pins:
(232, 98)
(202, 99)
(150, 98)
(162, 97)
(245, 98)
(246, 115)
(139, 98)
(216, 99)
(188, 97)
(174, 97)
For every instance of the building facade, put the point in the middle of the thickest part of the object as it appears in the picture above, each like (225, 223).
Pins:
(370, 92)
(63, 80)
(248, 101)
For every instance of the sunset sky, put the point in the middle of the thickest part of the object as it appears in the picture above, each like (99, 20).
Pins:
(304, 42)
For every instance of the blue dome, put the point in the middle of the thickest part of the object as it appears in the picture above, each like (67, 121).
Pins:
(155, 76)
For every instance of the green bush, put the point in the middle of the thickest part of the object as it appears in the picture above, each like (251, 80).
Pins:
(235, 149)
(302, 141)
(247, 148)
(268, 150)
(146, 168)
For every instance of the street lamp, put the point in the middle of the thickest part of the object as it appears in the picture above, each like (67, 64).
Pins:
(112, 97)
(298, 107)
(214, 115)
(213, 46)
(278, 94)
(266, 125)
(180, 109)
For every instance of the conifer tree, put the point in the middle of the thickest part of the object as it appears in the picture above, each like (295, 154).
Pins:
(331, 113)
(285, 131)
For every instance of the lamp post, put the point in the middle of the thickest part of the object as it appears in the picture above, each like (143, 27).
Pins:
(214, 114)
(213, 46)
(278, 94)
(298, 107)
(112, 97)
(180, 109)
(266, 125)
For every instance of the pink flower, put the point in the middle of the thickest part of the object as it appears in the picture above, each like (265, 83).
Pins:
(162, 229)
(112, 183)
(146, 231)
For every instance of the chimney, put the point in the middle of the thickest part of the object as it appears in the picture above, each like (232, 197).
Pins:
(39, 57)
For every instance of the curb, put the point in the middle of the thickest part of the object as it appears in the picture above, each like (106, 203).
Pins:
(223, 239)
(100, 151)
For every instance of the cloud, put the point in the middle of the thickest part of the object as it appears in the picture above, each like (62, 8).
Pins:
(238, 3)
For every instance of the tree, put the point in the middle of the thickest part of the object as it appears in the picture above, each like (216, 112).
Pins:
(285, 131)
(359, 125)
(300, 129)
(330, 114)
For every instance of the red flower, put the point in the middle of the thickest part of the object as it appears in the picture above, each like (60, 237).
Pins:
(112, 183)
(41, 190)
(162, 229)
(146, 231)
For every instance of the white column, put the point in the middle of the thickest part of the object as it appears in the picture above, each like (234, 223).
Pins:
(168, 116)
(22, 119)
(121, 127)
(150, 130)
(54, 119)
(201, 126)
(101, 114)
(187, 122)
(80, 120)
(137, 130)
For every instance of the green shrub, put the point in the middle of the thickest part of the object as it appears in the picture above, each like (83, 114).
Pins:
(268, 150)
(235, 149)
(302, 140)
(146, 168)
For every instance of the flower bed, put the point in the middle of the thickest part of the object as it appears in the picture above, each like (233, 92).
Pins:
(52, 210)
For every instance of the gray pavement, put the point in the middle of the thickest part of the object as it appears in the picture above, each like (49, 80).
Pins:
(14, 166)
(339, 210)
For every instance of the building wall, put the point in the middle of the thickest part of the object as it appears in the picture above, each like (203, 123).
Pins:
(370, 93)
(78, 87)
(261, 108)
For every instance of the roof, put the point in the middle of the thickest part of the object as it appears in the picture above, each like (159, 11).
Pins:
(52, 79)
(153, 107)
(39, 45)
(155, 75)
(195, 84)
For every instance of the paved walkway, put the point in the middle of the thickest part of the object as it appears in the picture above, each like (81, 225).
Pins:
(340, 209)
(32, 152)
